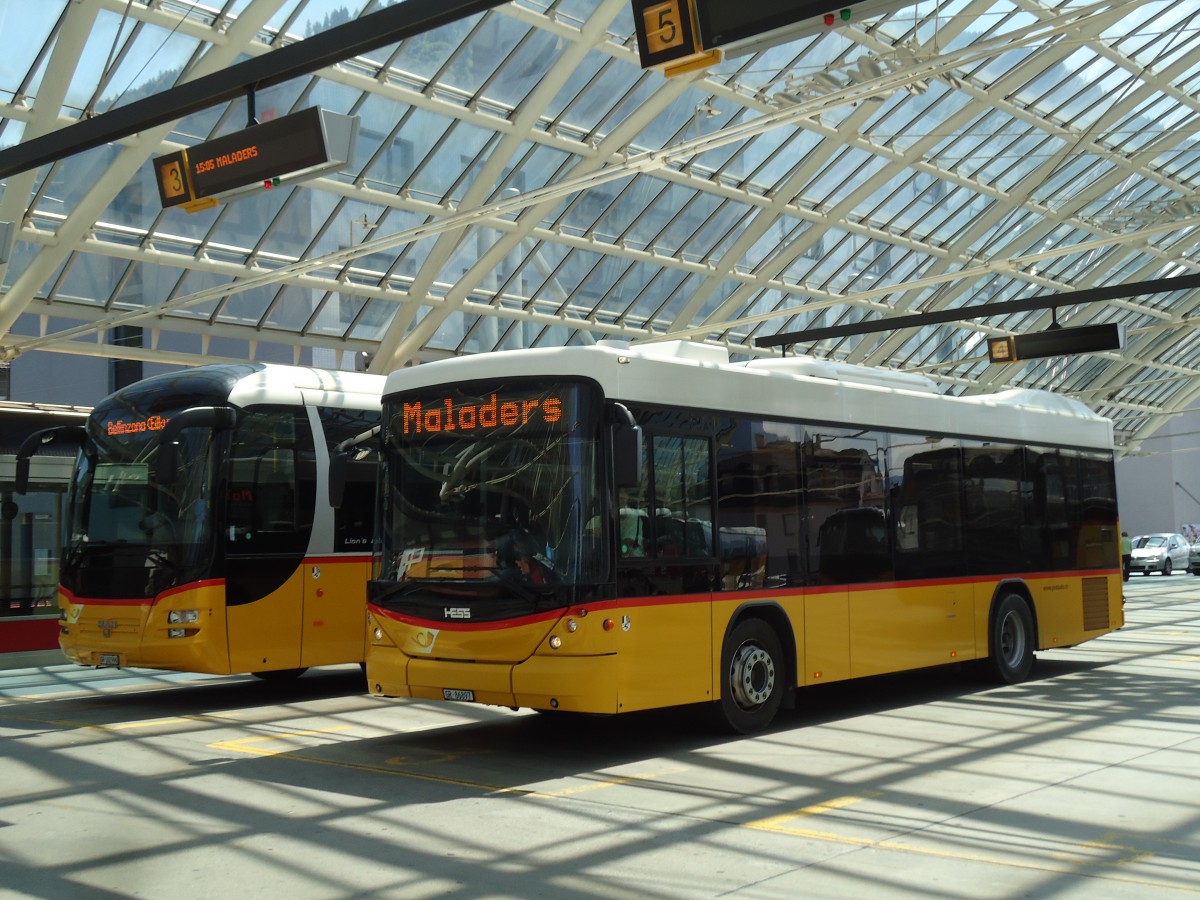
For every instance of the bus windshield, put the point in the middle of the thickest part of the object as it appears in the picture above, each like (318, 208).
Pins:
(490, 485)
(129, 535)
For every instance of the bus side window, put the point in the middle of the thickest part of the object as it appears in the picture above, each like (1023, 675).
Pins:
(928, 508)
(845, 525)
(271, 483)
(931, 501)
(634, 512)
(758, 491)
(992, 507)
(354, 518)
(682, 497)
(667, 520)
(275, 491)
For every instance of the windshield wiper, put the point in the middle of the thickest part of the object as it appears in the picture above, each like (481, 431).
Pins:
(162, 557)
(397, 589)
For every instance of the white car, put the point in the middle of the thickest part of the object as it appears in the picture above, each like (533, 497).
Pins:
(1163, 552)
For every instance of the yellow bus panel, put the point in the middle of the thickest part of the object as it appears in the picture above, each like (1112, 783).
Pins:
(104, 633)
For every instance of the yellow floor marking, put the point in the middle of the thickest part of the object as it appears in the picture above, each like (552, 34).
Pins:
(775, 823)
(118, 726)
(149, 723)
(1107, 842)
(394, 766)
(613, 782)
(242, 745)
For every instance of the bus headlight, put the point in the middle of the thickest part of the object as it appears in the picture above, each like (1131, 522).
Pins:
(183, 616)
(555, 642)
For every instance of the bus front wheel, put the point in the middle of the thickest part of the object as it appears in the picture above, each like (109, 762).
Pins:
(1010, 640)
(752, 676)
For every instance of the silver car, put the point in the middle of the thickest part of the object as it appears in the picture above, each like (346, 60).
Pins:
(1163, 552)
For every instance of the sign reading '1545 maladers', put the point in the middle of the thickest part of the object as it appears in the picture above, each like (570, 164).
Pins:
(311, 140)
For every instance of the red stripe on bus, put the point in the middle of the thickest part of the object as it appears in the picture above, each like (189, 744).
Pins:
(760, 594)
(142, 601)
(549, 616)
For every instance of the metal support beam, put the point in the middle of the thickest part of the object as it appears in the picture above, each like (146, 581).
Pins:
(301, 58)
(983, 311)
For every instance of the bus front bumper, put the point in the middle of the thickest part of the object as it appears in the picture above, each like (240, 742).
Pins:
(569, 683)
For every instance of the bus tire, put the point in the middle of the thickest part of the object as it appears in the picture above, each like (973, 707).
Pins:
(277, 676)
(1010, 640)
(752, 677)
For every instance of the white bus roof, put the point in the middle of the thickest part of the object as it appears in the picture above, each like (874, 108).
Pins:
(685, 374)
(305, 384)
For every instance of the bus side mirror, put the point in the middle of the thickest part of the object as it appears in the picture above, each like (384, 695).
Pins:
(214, 417)
(73, 434)
(627, 455)
(626, 437)
(339, 462)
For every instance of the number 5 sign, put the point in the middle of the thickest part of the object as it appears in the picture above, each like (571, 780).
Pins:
(667, 35)
(663, 29)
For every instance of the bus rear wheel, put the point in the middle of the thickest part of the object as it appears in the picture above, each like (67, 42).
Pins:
(752, 676)
(1010, 641)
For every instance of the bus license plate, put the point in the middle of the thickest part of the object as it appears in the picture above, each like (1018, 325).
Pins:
(452, 694)
(110, 659)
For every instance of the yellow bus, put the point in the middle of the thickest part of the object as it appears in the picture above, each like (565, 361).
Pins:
(200, 532)
(612, 528)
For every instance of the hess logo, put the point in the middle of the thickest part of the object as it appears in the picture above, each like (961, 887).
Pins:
(456, 612)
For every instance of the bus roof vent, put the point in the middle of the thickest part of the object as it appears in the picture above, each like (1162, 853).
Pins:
(684, 350)
(847, 372)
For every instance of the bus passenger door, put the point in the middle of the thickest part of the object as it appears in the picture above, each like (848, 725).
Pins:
(844, 544)
(826, 635)
(334, 622)
(271, 494)
(335, 591)
(667, 560)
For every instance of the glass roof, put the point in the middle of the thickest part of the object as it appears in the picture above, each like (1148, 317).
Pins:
(518, 180)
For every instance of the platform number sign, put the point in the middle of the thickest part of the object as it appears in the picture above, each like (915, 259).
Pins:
(663, 29)
(174, 184)
(666, 31)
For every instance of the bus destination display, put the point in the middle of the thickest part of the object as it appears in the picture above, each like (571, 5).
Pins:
(307, 140)
(449, 414)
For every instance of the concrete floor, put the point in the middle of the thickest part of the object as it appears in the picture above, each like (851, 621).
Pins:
(1084, 782)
